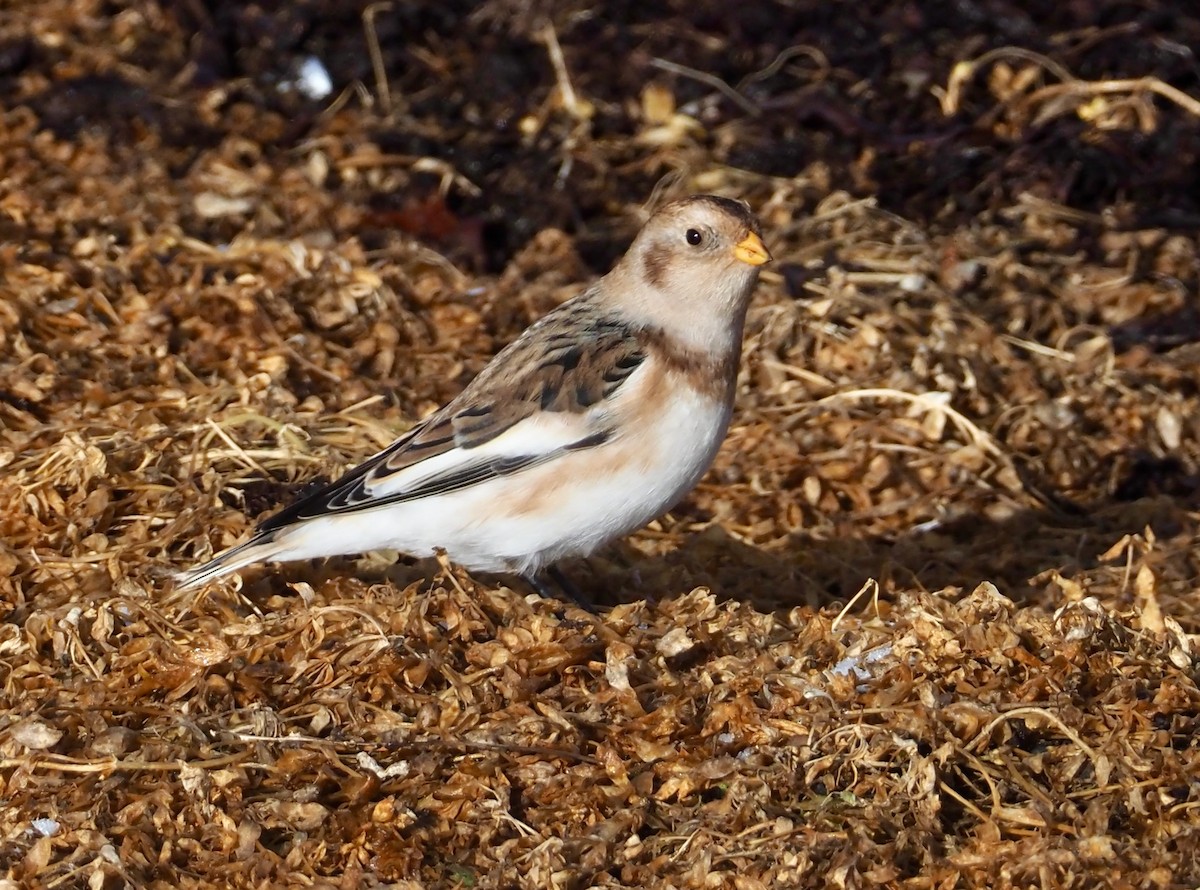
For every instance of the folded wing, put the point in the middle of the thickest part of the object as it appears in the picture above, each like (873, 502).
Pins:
(542, 396)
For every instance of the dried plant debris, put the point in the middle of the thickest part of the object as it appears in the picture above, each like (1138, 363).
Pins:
(930, 622)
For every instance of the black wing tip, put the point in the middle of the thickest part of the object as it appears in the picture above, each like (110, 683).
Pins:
(313, 501)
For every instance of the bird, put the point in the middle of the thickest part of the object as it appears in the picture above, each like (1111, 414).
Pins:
(595, 421)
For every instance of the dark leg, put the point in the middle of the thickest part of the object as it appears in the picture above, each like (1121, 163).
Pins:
(539, 585)
(565, 586)
(568, 587)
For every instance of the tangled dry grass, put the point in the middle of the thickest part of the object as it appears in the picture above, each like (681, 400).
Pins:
(930, 622)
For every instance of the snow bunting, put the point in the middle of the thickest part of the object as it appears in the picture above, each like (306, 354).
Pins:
(596, 420)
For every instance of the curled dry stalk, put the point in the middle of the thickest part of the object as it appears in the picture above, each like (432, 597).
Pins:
(1085, 98)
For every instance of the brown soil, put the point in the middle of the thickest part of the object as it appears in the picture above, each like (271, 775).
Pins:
(932, 619)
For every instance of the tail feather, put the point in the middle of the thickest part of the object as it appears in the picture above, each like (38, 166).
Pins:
(260, 548)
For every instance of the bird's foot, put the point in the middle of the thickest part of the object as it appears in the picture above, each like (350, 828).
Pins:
(565, 586)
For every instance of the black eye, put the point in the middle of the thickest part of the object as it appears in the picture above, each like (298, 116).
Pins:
(694, 237)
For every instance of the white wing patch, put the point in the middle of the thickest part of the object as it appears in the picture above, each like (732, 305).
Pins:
(530, 441)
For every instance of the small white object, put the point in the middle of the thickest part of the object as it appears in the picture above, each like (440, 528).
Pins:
(858, 664)
(312, 80)
(674, 642)
(46, 826)
(399, 769)
(35, 735)
(1170, 427)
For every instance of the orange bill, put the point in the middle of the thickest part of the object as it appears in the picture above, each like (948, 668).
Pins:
(751, 250)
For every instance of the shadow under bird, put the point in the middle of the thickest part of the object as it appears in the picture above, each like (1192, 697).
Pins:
(599, 418)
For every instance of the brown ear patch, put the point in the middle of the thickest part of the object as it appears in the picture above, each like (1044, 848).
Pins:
(654, 264)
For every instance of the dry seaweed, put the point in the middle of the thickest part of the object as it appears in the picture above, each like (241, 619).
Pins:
(930, 621)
